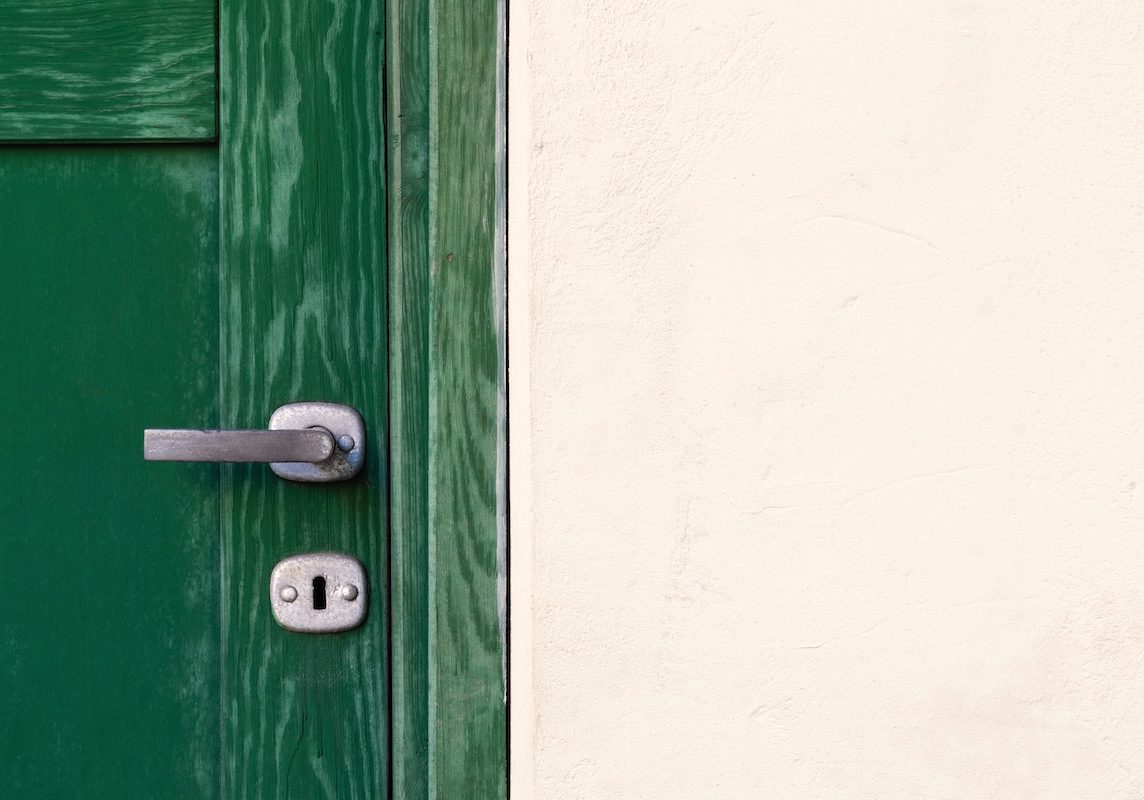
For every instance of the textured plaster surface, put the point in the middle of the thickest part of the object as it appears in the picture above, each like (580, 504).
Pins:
(827, 341)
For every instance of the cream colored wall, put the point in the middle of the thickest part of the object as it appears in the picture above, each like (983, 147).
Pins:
(827, 386)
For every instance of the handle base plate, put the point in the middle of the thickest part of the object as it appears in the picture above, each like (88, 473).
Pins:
(344, 424)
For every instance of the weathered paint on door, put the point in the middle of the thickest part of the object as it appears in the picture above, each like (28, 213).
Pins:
(108, 70)
(302, 187)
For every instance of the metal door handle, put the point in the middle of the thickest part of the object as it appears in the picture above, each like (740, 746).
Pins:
(262, 446)
(312, 442)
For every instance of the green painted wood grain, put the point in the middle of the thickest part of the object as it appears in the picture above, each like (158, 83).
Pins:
(467, 636)
(447, 410)
(107, 69)
(303, 311)
(407, 117)
(108, 564)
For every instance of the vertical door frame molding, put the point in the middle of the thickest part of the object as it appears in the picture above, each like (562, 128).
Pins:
(445, 125)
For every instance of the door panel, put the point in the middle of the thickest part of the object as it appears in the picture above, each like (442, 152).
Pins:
(107, 69)
(108, 566)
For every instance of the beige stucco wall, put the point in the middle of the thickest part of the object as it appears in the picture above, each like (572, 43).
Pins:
(827, 388)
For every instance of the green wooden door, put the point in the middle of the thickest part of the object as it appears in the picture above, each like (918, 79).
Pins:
(202, 213)
(198, 284)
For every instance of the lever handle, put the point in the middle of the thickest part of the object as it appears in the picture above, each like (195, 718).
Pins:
(312, 446)
(312, 442)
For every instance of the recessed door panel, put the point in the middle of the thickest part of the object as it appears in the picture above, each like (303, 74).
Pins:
(109, 586)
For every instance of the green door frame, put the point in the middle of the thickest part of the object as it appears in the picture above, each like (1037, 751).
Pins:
(445, 89)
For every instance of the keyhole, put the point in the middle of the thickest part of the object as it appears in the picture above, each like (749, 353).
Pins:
(319, 593)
